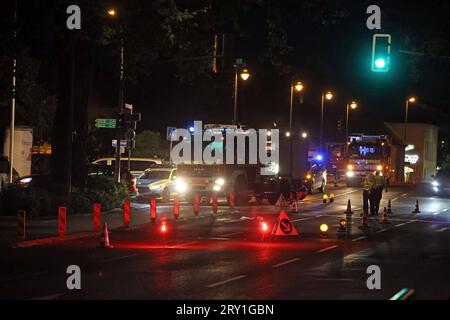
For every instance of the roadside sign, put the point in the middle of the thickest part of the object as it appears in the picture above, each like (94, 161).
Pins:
(169, 132)
(123, 143)
(128, 108)
(284, 226)
(105, 123)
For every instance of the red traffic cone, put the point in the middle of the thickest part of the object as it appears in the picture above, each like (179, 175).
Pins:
(385, 217)
(416, 208)
(105, 237)
(294, 207)
(349, 208)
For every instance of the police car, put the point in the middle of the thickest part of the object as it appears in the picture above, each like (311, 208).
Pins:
(157, 182)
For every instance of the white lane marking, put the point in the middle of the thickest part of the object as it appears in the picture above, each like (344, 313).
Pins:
(304, 219)
(395, 199)
(49, 297)
(404, 223)
(118, 258)
(441, 229)
(231, 234)
(327, 249)
(182, 244)
(212, 285)
(345, 193)
(285, 262)
(360, 238)
(381, 230)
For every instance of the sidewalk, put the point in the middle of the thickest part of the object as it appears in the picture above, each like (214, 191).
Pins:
(39, 228)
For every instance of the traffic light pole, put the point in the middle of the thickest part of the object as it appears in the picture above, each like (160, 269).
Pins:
(121, 85)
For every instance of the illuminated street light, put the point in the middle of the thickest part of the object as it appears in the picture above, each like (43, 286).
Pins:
(245, 74)
(298, 86)
(352, 105)
(288, 134)
(408, 101)
(112, 12)
(304, 135)
(328, 96)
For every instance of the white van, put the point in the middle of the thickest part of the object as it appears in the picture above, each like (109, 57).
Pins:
(137, 165)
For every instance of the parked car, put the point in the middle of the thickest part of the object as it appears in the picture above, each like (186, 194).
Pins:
(316, 177)
(157, 182)
(137, 165)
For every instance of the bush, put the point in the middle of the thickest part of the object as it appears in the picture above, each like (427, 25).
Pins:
(39, 201)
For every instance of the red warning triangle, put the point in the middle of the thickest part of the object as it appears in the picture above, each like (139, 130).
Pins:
(284, 226)
(281, 202)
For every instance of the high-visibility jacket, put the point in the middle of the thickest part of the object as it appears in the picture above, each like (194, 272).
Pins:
(379, 182)
(369, 182)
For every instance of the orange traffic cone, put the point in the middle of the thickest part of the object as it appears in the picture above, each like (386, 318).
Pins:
(349, 208)
(385, 217)
(105, 237)
(389, 208)
(416, 208)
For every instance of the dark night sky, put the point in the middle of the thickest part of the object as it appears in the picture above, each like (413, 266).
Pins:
(335, 57)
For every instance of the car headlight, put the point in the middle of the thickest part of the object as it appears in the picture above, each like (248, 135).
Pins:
(350, 167)
(220, 181)
(180, 185)
(350, 174)
(379, 167)
(216, 187)
(308, 176)
(435, 183)
(25, 180)
(155, 187)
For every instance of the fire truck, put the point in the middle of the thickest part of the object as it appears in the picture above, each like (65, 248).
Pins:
(242, 178)
(366, 153)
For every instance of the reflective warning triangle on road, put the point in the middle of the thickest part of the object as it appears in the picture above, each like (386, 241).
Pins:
(281, 202)
(284, 226)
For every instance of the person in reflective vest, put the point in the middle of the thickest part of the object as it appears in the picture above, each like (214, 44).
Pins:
(378, 191)
(368, 193)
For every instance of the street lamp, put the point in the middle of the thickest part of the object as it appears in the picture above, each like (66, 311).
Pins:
(352, 105)
(113, 13)
(325, 96)
(408, 101)
(244, 74)
(298, 86)
(304, 135)
(288, 134)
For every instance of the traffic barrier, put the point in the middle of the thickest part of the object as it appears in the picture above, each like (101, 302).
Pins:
(126, 212)
(104, 241)
(97, 211)
(364, 223)
(416, 208)
(176, 208)
(294, 207)
(389, 208)
(331, 197)
(281, 202)
(349, 208)
(323, 230)
(21, 225)
(231, 200)
(214, 202)
(62, 226)
(385, 217)
(196, 204)
(324, 198)
(153, 210)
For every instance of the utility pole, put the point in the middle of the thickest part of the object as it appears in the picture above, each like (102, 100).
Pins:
(13, 98)
(120, 102)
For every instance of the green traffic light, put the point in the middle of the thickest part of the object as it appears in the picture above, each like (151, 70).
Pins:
(380, 63)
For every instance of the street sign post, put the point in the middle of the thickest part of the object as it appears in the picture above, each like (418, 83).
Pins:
(105, 123)
(169, 133)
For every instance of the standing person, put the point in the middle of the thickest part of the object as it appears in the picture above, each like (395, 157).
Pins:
(368, 194)
(378, 190)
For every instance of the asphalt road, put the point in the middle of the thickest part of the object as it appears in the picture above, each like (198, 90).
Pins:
(224, 256)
